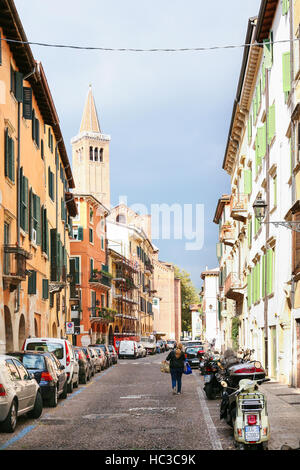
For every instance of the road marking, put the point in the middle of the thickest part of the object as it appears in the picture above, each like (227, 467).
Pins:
(18, 436)
(212, 431)
(168, 408)
(134, 396)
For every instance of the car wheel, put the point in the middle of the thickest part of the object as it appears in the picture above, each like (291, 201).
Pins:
(84, 379)
(54, 399)
(70, 386)
(65, 390)
(76, 383)
(10, 423)
(38, 407)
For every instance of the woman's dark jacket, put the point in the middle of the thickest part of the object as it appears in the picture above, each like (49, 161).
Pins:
(174, 362)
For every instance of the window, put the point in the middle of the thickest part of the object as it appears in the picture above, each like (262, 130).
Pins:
(96, 154)
(285, 7)
(51, 183)
(34, 218)
(271, 123)
(32, 282)
(91, 215)
(9, 153)
(35, 129)
(45, 289)
(12, 370)
(268, 51)
(16, 84)
(91, 235)
(45, 232)
(101, 155)
(102, 243)
(76, 268)
(91, 154)
(24, 201)
(103, 300)
(286, 73)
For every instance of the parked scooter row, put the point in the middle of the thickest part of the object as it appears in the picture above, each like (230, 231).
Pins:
(243, 405)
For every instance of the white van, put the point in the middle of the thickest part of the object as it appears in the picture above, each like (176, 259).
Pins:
(63, 350)
(128, 349)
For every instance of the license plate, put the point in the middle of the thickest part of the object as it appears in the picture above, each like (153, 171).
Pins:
(252, 433)
(194, 361)
(207, 378)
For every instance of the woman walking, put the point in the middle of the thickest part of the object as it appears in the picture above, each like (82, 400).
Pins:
(176, 358)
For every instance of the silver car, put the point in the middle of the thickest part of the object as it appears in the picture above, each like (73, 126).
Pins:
(19, 393)
(97, 359)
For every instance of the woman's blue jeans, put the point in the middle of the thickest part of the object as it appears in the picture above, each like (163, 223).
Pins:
(176, 375)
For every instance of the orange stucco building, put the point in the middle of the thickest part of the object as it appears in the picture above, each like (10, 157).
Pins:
(35, 200)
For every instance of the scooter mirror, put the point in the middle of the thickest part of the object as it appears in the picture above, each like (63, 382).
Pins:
(224, 384)
(257, 364)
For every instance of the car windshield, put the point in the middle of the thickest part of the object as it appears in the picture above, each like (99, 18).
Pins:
(31, 361)
(111, 348)
(192, 350)
(56, 348)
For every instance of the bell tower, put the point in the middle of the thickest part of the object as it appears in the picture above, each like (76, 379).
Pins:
(90, 155)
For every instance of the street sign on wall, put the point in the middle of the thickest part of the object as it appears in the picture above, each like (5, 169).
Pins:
(69, 328)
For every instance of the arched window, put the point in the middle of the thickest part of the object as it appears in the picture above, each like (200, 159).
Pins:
(101, 155)
(91, 154)
(96, 154)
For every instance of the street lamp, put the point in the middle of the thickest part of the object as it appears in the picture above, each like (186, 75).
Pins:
(260, 207)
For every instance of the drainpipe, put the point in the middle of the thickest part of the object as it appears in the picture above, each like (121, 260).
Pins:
(17, 308)
(266, 332)
(56, 205)
(294, 195)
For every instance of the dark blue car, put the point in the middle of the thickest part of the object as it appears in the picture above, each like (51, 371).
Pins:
(48, 372)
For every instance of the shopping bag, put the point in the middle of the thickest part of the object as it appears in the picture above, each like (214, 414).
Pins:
(187, 368)
(165, 367)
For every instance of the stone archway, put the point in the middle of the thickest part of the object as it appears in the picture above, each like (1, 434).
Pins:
(22, 334)
(9, 338)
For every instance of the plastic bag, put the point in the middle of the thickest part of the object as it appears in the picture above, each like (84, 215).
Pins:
(187, 368)
(165, 367)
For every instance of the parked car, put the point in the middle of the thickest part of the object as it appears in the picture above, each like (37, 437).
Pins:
(102, 356)
(161, 345)
(48, 372)
(128, 349)
(171, 344)
(194, 355)
(19, 393)
(91, 360)
(164, 342)
(141, 350)
(106, 352)
(62, 349)
(113, 353)
(84, 368)
(97, 359)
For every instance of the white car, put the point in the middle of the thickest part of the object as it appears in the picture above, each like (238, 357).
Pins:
(128, 349)
(19, 393)
(63, 350)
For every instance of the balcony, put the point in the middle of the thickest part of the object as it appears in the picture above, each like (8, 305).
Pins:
(239, 207)
(100, 278)
(102, 314)
(233, 288)
(148, 267)
(227, 234)
(124, 283)
(14, 266)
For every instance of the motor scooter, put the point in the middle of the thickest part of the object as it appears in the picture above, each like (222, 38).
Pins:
(245, 409)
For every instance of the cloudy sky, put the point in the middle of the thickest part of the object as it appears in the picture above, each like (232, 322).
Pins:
(168, 114)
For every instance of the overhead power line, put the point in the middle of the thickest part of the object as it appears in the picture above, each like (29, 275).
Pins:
(125, 49)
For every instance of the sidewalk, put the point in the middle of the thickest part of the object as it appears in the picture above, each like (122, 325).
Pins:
(283, 404)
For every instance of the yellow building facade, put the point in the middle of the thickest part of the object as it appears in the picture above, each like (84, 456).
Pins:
(35, 200)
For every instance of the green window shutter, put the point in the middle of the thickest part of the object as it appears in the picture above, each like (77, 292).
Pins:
(77, 278)
(19, 86)
(38, 219)
(0, 48)
(285, 7)
(258, 94)
(263, 275)
(249, 290)
(37, 132)
(247, 181)
(268, 51)
(249, 232)
(45, 289)
(27, 102)
(54, 255)
(269, 271)
(258, 280)
(271, 123)
(30, 213)
(263, 79)
(32, 283)
(45, 232)
(9, 152)
(24, 202)
(286, 72)
(249, 128)
(33, 128)
(219, 250)
(80, 233)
